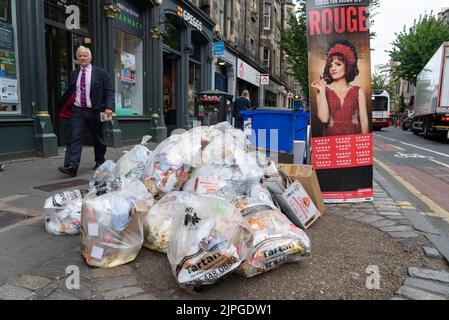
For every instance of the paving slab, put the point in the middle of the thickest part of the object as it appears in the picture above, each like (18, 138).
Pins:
(383, 223)
(108, 284)
(417, 294)
(142, 296)
(111, 272)
(431, 252)
(122, 293)
(31, 282)
(60, 295)
(420, 222)
(397, 228)
(10, 292)
(404, 234)
(390, 213)
(369, 219)
(426, 285)
(441, 243)
(429, 274)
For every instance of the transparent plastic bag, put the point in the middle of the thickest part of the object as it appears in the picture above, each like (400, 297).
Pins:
(276, 240)
(158, 223)
(104, 175)
(133, 163)
(165, 171)
(62, 213)
(112, 224)
(210, 239)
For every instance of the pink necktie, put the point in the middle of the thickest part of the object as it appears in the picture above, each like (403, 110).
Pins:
(83, 88)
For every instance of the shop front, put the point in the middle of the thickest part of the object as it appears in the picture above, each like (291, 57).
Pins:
(25, 124)
(225, 75)
(187, 34)
(248, 78)
(63, 35)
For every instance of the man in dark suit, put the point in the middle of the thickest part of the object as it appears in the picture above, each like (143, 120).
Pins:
(91, 90)
(242, 103)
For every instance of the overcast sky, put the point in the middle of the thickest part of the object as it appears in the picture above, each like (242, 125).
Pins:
(392, 16)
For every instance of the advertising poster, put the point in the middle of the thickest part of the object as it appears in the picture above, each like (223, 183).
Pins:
(128, 69)
(8, 91)
(340, 93)
(7, 64)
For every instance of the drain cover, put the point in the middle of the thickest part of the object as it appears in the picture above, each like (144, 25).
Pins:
(9, 218)
(62, 185)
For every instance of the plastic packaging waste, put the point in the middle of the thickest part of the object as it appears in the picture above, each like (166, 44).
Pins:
(276, 240)
(112, 224)
(133, 163)
(62, 213)
(210, 239)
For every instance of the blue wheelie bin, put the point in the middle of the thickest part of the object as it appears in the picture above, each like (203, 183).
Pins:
(302, 121)
(262, 121)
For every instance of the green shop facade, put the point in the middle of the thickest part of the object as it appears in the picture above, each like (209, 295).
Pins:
(158, 54)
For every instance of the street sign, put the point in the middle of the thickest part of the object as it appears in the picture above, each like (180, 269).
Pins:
(264, 79)
(218, 48)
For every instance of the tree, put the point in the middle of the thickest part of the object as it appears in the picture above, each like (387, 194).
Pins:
(401, 104)
(379, 81)
(413, 48)
(294, 43)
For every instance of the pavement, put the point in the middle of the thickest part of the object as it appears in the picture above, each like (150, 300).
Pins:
(388, 238)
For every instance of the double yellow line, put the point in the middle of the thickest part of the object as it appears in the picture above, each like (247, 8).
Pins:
(437, 210)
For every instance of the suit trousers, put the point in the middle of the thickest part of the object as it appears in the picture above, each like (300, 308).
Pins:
(82, 118)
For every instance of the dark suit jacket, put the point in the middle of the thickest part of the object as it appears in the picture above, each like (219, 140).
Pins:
(102, 94)
(240, 104)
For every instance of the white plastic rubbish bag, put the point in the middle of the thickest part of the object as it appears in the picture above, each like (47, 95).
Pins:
(112, 224)
(133, 163)
(62, 213)
(210, 239)
(276, 240)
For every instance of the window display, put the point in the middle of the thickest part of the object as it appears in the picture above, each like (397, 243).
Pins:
(128, 74)
(9, 65)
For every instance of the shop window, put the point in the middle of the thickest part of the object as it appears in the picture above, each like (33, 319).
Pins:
(9, 59)
(172, 35)
(128, 53)
(55, 10)
(194, 85)
(196, 50)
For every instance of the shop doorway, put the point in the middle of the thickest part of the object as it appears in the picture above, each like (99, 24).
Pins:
(171, 91)
(61, 47)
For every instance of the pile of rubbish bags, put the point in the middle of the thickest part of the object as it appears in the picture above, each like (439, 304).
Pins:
(202, 197)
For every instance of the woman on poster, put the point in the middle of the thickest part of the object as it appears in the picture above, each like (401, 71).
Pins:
(342, 108)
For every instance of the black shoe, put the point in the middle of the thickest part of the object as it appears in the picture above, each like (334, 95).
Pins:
(68, 170)
(98, 165)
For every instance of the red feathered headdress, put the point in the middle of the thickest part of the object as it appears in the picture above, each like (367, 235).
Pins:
(343, 50)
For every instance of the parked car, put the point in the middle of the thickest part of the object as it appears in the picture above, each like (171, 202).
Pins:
(407, 122)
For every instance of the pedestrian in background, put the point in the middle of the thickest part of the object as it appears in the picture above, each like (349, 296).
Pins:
(242, 103)
(90, 89)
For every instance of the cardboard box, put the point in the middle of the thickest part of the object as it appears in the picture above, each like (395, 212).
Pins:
(306, 175)
(301, 209)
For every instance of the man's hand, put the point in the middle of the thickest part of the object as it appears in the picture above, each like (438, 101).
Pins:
(108, 112)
